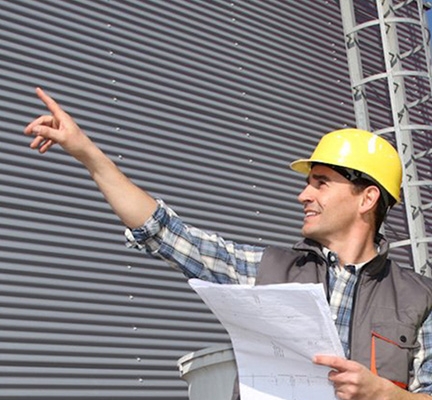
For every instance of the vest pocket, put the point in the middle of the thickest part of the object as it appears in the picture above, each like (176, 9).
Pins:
(392, 351)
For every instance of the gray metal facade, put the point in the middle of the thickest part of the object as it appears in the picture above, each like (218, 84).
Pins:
(203, 103)
(389, 58)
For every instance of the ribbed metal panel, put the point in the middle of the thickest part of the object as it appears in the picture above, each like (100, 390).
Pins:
(414, 60)
(203, 103)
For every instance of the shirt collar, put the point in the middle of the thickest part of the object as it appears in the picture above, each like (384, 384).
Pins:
(333, 259)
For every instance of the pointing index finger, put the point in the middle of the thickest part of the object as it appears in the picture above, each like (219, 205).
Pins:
(51, 104)
(337, 363)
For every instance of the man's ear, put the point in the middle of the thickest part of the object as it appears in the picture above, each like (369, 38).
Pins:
(370, 198)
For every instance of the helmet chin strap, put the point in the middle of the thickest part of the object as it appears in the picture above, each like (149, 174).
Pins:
(347, 173)
(350, 174)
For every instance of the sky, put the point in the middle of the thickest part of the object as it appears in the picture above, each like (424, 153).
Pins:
(429, 18)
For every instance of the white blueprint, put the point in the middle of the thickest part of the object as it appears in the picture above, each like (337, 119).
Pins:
(275, 331)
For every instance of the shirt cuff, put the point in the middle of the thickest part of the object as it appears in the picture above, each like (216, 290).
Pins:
(149, 236)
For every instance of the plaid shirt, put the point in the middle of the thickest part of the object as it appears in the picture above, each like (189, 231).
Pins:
(207, 256)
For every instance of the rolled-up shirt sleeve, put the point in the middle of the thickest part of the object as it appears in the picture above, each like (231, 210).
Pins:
(197, 253)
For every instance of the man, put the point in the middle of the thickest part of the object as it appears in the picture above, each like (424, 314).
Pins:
(382, 312)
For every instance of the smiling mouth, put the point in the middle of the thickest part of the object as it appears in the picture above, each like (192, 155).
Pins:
(309, 214)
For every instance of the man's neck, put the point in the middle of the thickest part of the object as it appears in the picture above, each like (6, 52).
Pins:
(353, 251)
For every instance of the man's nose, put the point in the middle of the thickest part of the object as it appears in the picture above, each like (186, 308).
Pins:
(305, 195)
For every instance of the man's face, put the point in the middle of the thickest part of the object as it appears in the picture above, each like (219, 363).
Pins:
(330, 206)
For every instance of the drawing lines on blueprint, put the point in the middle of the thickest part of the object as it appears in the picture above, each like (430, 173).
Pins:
(290, 387)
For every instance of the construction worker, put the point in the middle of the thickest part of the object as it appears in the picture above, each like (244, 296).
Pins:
(382, 312)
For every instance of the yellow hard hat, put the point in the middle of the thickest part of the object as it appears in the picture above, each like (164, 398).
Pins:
(361, 151)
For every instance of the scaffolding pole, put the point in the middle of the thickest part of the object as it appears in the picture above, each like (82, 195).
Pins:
(387, 23)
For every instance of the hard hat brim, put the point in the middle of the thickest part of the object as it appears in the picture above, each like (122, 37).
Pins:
(302, 165)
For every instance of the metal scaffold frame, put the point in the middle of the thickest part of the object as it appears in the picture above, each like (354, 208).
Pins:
(387, 23)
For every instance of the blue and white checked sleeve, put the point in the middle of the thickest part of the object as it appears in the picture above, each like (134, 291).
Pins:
(423, 361)
(197, 253)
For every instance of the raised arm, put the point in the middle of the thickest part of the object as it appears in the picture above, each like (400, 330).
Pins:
(133, 205)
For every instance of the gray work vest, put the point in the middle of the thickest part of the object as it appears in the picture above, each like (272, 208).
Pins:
(390, 304)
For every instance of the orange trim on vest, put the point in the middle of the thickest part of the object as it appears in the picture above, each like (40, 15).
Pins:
(373, 366)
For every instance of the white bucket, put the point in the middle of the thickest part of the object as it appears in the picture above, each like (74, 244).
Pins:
(210, 373)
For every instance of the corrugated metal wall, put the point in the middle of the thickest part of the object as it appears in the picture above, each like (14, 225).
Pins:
(415, 62)
(201, 102)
